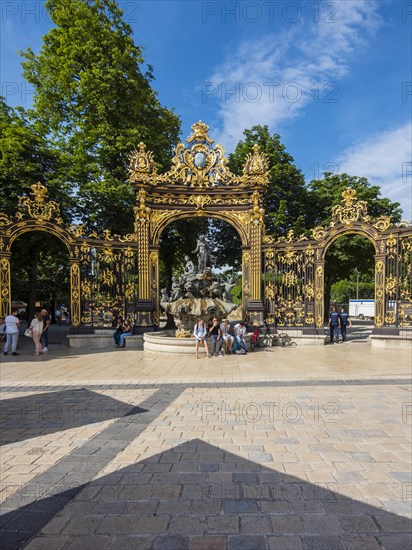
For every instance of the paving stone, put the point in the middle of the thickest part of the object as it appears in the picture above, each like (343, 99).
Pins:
(255, 524)
(171, 542)
(361, 543)
(52, 542)
(166, 491)
(322, 543)
(257, 492)
(194, 525)
(284, 543)
(274, 506)
(322, 524)
(394, 524)
(240, 507)
(396, 542)
(173, 507)
(358, 524)
(287, 524)
(246, 477)
(95, 542)
(130, 542)
(209, 543)
(116, 524)
(205, 507)
(247, 542)
(223, 524)
(82, 525)
(151, 524)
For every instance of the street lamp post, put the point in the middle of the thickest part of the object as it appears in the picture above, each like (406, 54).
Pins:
(357, 273)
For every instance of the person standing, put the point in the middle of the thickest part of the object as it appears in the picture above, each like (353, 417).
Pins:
(58, 315)
(334, 324)
(345, 321)
(45, 334)
(200, 332)
(37, 329)
(2, 330)
(12, 332)
(215, 335)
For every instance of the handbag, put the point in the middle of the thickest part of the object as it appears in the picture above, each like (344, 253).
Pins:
(28, 332)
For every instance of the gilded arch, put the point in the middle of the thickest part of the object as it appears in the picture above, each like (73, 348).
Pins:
(199, 185)
(294, 268)
(102, 268)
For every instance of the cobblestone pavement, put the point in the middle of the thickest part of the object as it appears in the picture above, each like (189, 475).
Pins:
(304, 448)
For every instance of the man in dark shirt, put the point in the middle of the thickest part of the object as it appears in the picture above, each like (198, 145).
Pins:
(215, 335)
(344, 322)
(45, 334)
(334, 323)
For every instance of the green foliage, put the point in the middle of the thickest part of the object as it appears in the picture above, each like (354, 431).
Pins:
(96, 102)
(327, 192)
(285, 200)
(25, 158)
(344, 290)
(40, 270)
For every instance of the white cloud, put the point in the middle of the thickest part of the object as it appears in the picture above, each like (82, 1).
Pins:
(385, 159)
(274, 76)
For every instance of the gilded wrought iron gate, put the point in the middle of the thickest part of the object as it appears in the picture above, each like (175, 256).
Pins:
(282, 277)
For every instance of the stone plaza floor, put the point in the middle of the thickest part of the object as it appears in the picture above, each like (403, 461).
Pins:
(296, 448)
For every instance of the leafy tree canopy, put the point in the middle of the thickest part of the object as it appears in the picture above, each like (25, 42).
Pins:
(25, 158)
(94, 99)
(285, 200)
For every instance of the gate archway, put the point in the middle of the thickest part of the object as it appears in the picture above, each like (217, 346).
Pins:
(199, 184)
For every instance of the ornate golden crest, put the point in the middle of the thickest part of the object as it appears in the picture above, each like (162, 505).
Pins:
(351, 209)
(142, 165)
(40, 208)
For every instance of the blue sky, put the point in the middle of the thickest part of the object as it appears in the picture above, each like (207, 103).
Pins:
(332, 78)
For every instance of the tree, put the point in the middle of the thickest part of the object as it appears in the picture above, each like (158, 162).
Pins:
(285, 199)
(26, 158)
(93, 98)
(327, 192)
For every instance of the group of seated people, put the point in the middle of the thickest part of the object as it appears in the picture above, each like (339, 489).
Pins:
(222, 339)
(123, 329)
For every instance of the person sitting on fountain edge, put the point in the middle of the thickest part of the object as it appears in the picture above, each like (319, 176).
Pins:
(215, 335)
(227, 338)
(240, 331)
(200, 335)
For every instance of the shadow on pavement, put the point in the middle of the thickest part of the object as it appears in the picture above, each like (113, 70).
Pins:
(41, 414)
(195, 496)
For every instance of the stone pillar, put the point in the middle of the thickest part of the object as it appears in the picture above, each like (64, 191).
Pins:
(319, 293)
(75, 293)
(5, 289)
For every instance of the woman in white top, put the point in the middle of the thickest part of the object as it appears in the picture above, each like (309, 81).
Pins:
(200, 332)
(12, 332)
(37, 329)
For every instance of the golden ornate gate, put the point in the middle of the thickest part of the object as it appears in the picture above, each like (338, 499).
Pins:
(282, 278)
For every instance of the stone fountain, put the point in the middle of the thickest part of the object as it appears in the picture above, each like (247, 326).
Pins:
(197, 293)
